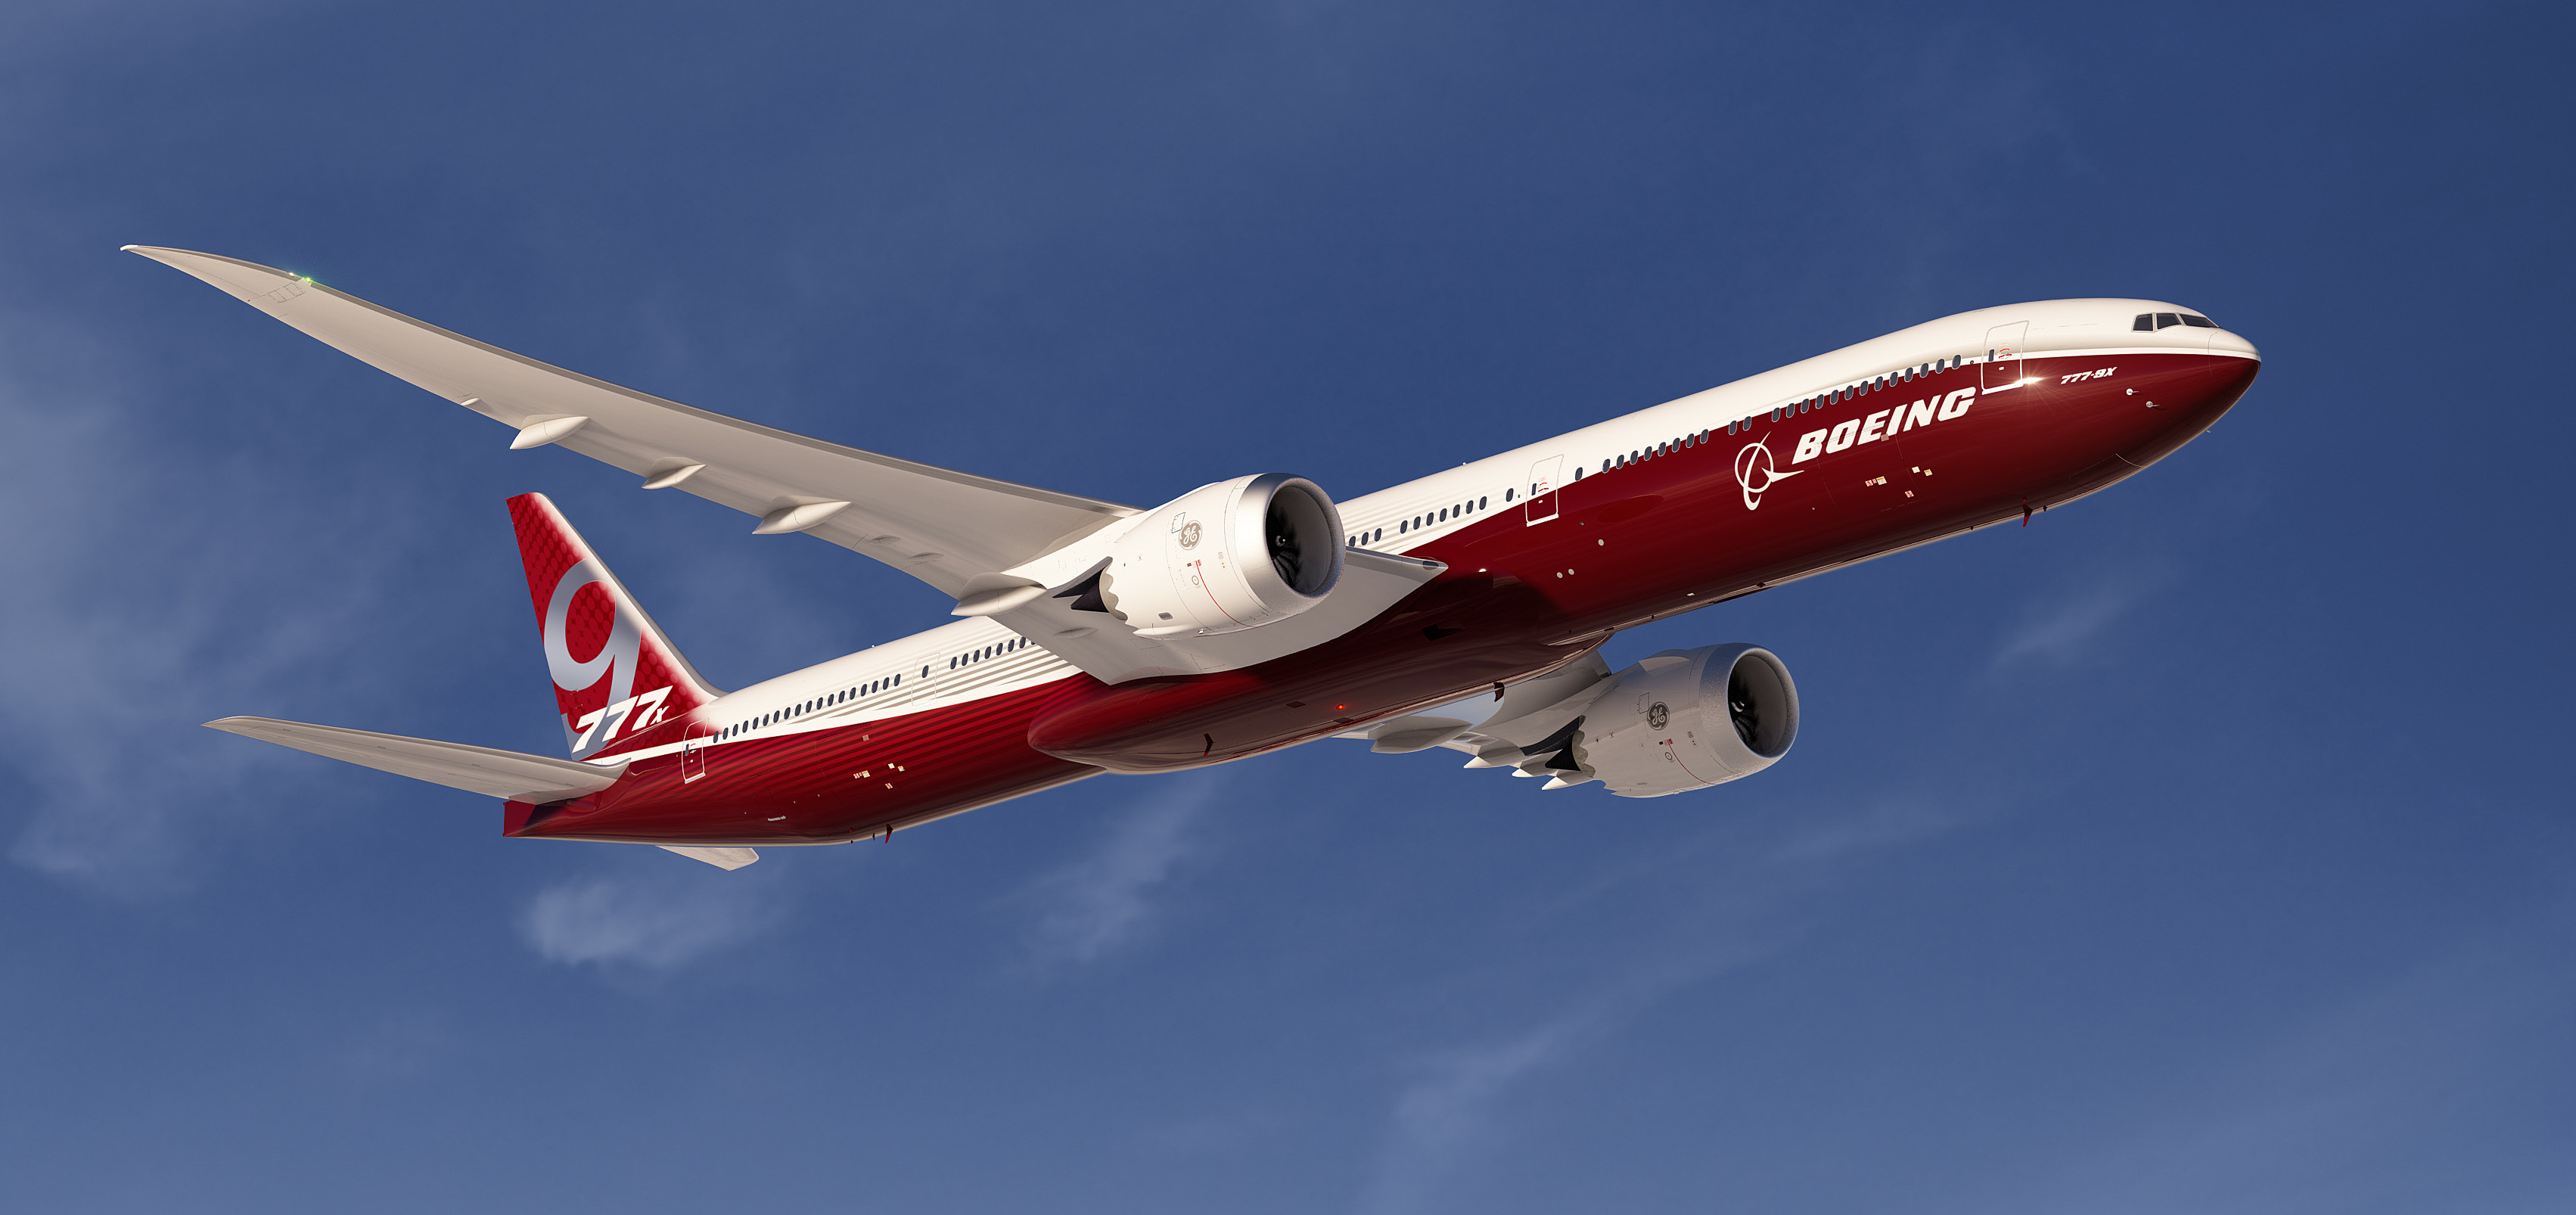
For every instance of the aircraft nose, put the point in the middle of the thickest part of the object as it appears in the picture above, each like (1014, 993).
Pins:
(2228, 341)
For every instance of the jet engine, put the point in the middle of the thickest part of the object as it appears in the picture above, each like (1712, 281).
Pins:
(1221, 558)
(1680, 720)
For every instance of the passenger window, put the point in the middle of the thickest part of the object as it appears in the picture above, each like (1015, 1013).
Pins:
(1480, 503)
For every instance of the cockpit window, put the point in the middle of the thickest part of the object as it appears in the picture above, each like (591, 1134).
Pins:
(2198, 322)
(2149, 322)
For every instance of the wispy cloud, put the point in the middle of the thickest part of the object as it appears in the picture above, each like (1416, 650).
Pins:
(1738, 906)
(396, 1046)
(1448, 1112)
(1883, 825)
(2062, 632)
(120, 637)
(2351, 1109)
(1102, 903)
(666, 913)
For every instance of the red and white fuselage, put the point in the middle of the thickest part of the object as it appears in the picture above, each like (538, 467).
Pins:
(1963, 422)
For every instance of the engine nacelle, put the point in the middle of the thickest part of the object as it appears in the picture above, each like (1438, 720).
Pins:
(1687, 719)
(1225, 557)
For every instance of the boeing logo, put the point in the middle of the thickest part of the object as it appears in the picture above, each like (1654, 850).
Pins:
(1754, 472)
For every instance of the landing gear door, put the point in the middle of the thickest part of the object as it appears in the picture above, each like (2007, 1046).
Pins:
(2003, 356)
(1542, 490)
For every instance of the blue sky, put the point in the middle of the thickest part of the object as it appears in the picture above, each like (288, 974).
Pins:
(2204, 846)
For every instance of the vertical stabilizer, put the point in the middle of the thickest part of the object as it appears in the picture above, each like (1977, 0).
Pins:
(616, 676)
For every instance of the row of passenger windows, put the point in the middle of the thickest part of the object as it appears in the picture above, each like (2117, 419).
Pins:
(870, 688)
(1643, 454)
(1426, 519)
(844, 696)
(996, 650)
(1850, 391)
(2149, 322)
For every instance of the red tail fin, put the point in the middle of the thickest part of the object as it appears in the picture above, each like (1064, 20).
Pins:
(616, 676)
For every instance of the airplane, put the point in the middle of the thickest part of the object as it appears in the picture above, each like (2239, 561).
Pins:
(1258, 612)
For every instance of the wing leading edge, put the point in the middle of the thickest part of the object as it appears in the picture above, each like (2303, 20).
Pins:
(939, 525)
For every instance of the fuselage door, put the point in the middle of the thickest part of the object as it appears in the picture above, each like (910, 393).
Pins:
(693, 753)
(2003, 356)
(1542, 490)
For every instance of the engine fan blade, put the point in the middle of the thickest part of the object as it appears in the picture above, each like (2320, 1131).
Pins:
(1741, 710)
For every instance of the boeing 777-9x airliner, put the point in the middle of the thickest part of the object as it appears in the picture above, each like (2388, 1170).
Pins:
(1259, 612)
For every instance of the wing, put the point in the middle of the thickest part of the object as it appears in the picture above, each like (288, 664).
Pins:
(941, 526)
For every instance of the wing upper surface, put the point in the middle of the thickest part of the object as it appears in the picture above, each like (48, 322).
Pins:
(939, 525)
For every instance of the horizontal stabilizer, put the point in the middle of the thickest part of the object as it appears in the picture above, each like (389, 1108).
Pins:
(514, 775)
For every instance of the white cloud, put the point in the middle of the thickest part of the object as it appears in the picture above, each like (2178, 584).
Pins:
(1884, 825)
(1736, 905)
(1449, 1112)
(2336, 1113)
(125, 630)
(2061, 633)
(657, 919)
(1101, 903)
